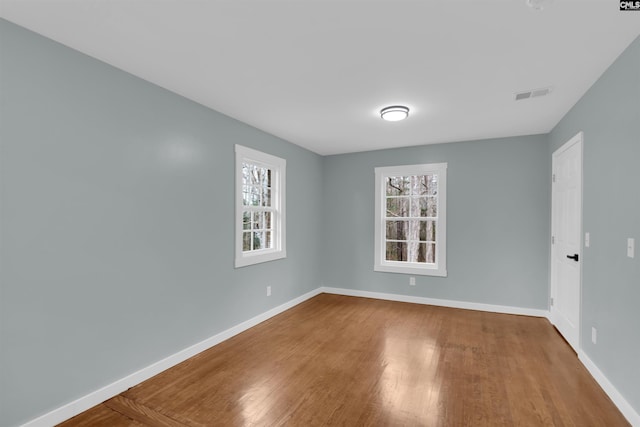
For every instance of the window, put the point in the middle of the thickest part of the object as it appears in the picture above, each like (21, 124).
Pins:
(410, 219)
(260, 207)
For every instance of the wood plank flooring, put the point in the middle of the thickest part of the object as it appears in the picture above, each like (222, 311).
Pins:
(345, 361)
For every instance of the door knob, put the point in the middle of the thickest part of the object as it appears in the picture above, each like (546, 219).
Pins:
(573, 257)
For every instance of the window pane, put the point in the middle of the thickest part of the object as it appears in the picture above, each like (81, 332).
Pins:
(416, 204)
(267, 220)
(245, 173)
(266, 196)
(398, 185)
(396, 251)
(397, 207)
(255, 196)
(247, 170)
(259, 175)
(426, 253)
(258, 220)
(261, 220)
(432, 206)
(268, 175)
(246, 220)
(258, 240)
(412, 251)
(246, 195)
(428, 231)
(267, 239)
(425, 185)
(254, 175)
(250, 196)
(422, 252)
(416, 185)
(428, 206)
(397, 230)
(431, 253)
(246, 241)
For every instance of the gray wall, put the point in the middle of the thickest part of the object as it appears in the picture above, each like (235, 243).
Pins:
(117, 225)
(609, 115)
(497, 222)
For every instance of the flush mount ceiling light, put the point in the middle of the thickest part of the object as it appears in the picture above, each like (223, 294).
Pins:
(394, 113)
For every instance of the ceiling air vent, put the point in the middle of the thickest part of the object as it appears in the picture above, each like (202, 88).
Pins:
(533, 93)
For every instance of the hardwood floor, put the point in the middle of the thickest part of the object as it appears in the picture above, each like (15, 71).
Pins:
(345, 361)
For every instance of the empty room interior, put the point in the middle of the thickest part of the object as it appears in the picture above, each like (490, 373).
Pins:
(278, 212)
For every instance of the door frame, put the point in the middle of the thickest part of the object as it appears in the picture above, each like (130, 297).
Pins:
(576, 139)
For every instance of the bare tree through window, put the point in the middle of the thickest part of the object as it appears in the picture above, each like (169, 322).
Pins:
(411, 217)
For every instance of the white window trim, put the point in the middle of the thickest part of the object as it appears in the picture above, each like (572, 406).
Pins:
(278, 166)
(381, 264)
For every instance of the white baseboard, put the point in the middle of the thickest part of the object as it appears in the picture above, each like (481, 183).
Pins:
(92, 399)
(107, 392)
(439, 302)
(627, 410)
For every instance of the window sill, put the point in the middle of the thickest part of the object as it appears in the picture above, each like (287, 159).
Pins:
(257, 258)
(411, 269)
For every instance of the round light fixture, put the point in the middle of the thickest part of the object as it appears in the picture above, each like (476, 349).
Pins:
(394, 113)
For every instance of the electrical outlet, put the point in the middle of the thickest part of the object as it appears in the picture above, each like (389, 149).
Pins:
(587, 240)
(631, 247)
(594, 335)
(268, 291)
(412, 281)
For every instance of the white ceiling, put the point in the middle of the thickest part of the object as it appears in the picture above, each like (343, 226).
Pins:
(317, 72)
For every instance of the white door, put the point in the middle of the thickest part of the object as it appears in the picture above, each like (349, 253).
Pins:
(566, 243)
